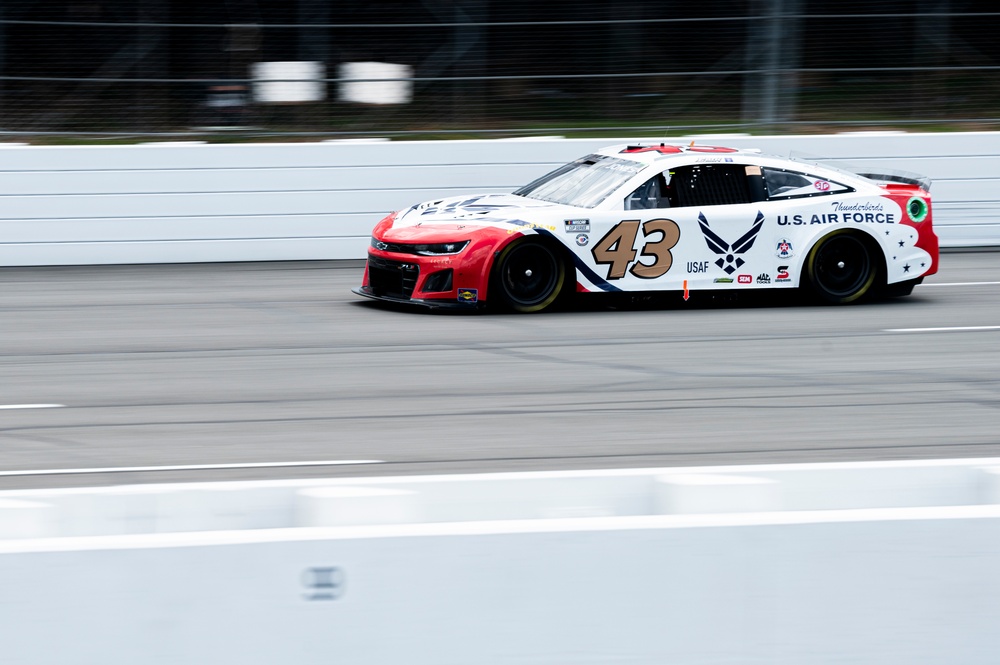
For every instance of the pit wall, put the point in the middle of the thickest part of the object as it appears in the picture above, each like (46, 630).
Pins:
(180, 203)
(887, 563)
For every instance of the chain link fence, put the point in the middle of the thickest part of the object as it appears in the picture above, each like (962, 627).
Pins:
(425, 68)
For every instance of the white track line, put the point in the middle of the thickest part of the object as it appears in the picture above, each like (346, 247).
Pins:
(962, 284)
(186, 467)
(952, 329)
(32, 406)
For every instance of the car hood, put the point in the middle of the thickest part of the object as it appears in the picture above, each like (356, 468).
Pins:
(478, 210)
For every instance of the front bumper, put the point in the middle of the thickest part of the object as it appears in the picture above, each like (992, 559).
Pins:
(428, 303)
(448, 282)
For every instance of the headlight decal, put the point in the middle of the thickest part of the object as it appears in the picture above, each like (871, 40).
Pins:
(440, 249)
(424, 249)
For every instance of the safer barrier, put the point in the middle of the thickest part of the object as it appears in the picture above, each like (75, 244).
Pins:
(881, 563)
(177, 203)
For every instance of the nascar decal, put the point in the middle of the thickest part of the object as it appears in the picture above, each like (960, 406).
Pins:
(616, 248)
(730, 260)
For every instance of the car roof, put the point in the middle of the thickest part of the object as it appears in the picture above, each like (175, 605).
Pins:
(648, 153)
(666, 155)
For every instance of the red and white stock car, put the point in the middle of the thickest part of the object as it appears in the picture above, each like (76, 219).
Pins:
(660, 218)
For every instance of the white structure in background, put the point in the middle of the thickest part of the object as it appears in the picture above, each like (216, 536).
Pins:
(73, 205)
(376, 83)
(885, 563)
(288, 82)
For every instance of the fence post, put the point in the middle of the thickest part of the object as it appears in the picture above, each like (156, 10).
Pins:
(772, 53)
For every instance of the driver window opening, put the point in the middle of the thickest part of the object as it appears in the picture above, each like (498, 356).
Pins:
(652, 194)
(784, 184)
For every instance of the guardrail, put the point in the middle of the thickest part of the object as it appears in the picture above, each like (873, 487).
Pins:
(178, 203)
(887, 562)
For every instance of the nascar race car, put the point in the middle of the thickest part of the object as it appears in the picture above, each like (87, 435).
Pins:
(661, 218)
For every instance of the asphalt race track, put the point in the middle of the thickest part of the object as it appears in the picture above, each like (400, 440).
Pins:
(234, 371)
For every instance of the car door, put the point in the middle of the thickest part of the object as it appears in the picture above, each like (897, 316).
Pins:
(694, 225)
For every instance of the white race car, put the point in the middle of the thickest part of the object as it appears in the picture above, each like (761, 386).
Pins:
(660, 218)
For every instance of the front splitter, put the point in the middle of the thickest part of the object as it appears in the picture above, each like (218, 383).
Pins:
(420, 302)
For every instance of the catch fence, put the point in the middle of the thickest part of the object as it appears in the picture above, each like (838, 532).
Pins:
(479, 68)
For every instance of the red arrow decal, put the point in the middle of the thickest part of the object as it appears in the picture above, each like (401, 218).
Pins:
(686, 296)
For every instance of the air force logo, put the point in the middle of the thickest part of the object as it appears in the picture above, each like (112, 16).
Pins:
(729, 259)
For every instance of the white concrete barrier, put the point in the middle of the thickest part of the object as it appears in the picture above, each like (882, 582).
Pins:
(887, 563)
(257, 202)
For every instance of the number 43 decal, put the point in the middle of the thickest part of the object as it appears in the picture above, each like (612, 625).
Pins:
(616, 248)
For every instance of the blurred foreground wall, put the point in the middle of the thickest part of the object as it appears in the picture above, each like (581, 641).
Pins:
(181, 203)
(884, 563)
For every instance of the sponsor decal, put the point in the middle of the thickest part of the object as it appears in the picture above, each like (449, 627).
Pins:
(783, 249)
(864, 212)
(782, 275)
(745, 279)
(730, 259)
(525, 225)
(674, 149)
(855, 207)
(723, 280)
(468, 295)
(917, 209)
(763, 278)
(577, 226)
(582, 240)
(472, 205)
(697, 266)
(709, 148)
(822, 185)
(662, 149)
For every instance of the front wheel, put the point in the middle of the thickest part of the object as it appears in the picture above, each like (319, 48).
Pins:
(528, 276)
(841, 267)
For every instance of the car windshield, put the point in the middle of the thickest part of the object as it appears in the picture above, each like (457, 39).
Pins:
(583, 183)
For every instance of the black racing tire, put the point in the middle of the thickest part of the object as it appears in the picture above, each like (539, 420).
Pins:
(528, 276)
(842, 267)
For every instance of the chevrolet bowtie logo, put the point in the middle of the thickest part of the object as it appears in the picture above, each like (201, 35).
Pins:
(730, 260)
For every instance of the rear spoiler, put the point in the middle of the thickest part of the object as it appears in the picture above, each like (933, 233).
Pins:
(881, 175)
(900, 177)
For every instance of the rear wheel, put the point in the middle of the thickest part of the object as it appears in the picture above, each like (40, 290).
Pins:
(528, 276)
(841, 267)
